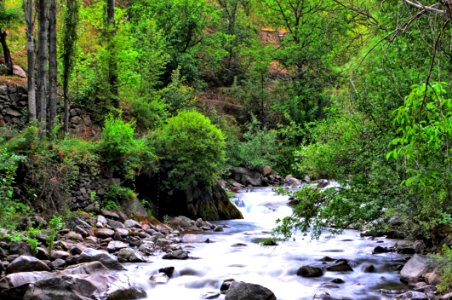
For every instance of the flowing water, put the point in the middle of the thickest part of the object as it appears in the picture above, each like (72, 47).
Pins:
(236, 253)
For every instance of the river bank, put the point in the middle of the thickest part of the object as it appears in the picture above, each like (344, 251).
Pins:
(125, 259)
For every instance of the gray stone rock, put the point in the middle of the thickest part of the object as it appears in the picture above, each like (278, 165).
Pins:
(415, 268)
(291, 181)
(71, 235)
(106, 259)
(341, 265)
(56, 254)
(22, 278)
(26, 263)
(114, 246)
(115, 224)
(101, 221)
(104, 233)
(132, 224)
(129, 255)
(58, 264)
(179, 254)
(308, 271)
(245, 291)
(160, 278)
(368, 268)
(412, 295)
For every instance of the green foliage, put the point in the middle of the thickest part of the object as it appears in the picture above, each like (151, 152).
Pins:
(315, 211)
(123, 154)
(191, 149)
(54, 226)
(444, 262)
(8, 166)
(176, 95)
(117, 193)
(258, 148)
(270, 241)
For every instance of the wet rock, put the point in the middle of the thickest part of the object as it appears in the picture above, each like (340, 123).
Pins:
(225, 285)
(322, 295)
(218, 229)
(368, 268)
(129, 293)
(129, 255)
(414, 269)
(412, 295)
(341, 265)
(168, 271)
(26, 263)
(409, 247)
(179, 254)
(87, 268)
(308, 271)
(380, 249)
(247, 177)
(242, 290)
(147, 248)
(433, 278)
(114, 246)
(239, 245)
(322, 183)
(338, 280)
(160, 278)
(327, 259)
(210, 295)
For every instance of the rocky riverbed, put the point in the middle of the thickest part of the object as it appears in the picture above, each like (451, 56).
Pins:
(109, 256)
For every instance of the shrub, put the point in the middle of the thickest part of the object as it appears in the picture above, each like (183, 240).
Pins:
(148, 113)
(192, 150)
(258, 148)
(124, 155)
(116, 193)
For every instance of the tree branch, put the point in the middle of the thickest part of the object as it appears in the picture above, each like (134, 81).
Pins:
(430, 8)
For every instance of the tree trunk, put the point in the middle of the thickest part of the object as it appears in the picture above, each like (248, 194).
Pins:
(53, 97)
(42, 63)
(112, 65)
(71, 20)
(28, 11)
(6, 53)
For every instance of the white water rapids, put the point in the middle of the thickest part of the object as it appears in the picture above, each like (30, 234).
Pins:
(236, 253)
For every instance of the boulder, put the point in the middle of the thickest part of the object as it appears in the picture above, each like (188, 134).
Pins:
(132, 224)
(247, 177)
(104, 233)
(26, 263)
(415, 269)
(19, 279)
(129, 255)
(291, 181)
(87, 268)
(114, 246)
(168, 271)
(267, 170)
(368, 268)
(243, 291)
(308, 271)
(341, 265)
(106, 259)
(412, 295)
(159, 278)
(178, 254)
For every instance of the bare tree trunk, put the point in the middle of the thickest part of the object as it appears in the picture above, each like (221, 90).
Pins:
(112, 65)
(28, 11)
(42, 63)
(6, 53)
(53, 97)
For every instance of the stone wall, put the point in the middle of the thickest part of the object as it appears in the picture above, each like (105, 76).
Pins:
(13, 106)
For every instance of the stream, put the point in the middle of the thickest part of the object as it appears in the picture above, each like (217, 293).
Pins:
(236, 253)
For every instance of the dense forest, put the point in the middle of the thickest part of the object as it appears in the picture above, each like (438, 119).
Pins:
(154, 100)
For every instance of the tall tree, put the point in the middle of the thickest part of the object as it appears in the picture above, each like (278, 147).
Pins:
(29, 20)
(71, 19)
(53, 97)
(7, 18)
(43, 58)
(112, 65)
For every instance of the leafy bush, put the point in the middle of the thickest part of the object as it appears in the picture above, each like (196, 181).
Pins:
(124, 155)
(178, 96)
(8, 166)
(444, 261)
(258, 148)
(148, 113)
(192, 150)
(117, 193)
